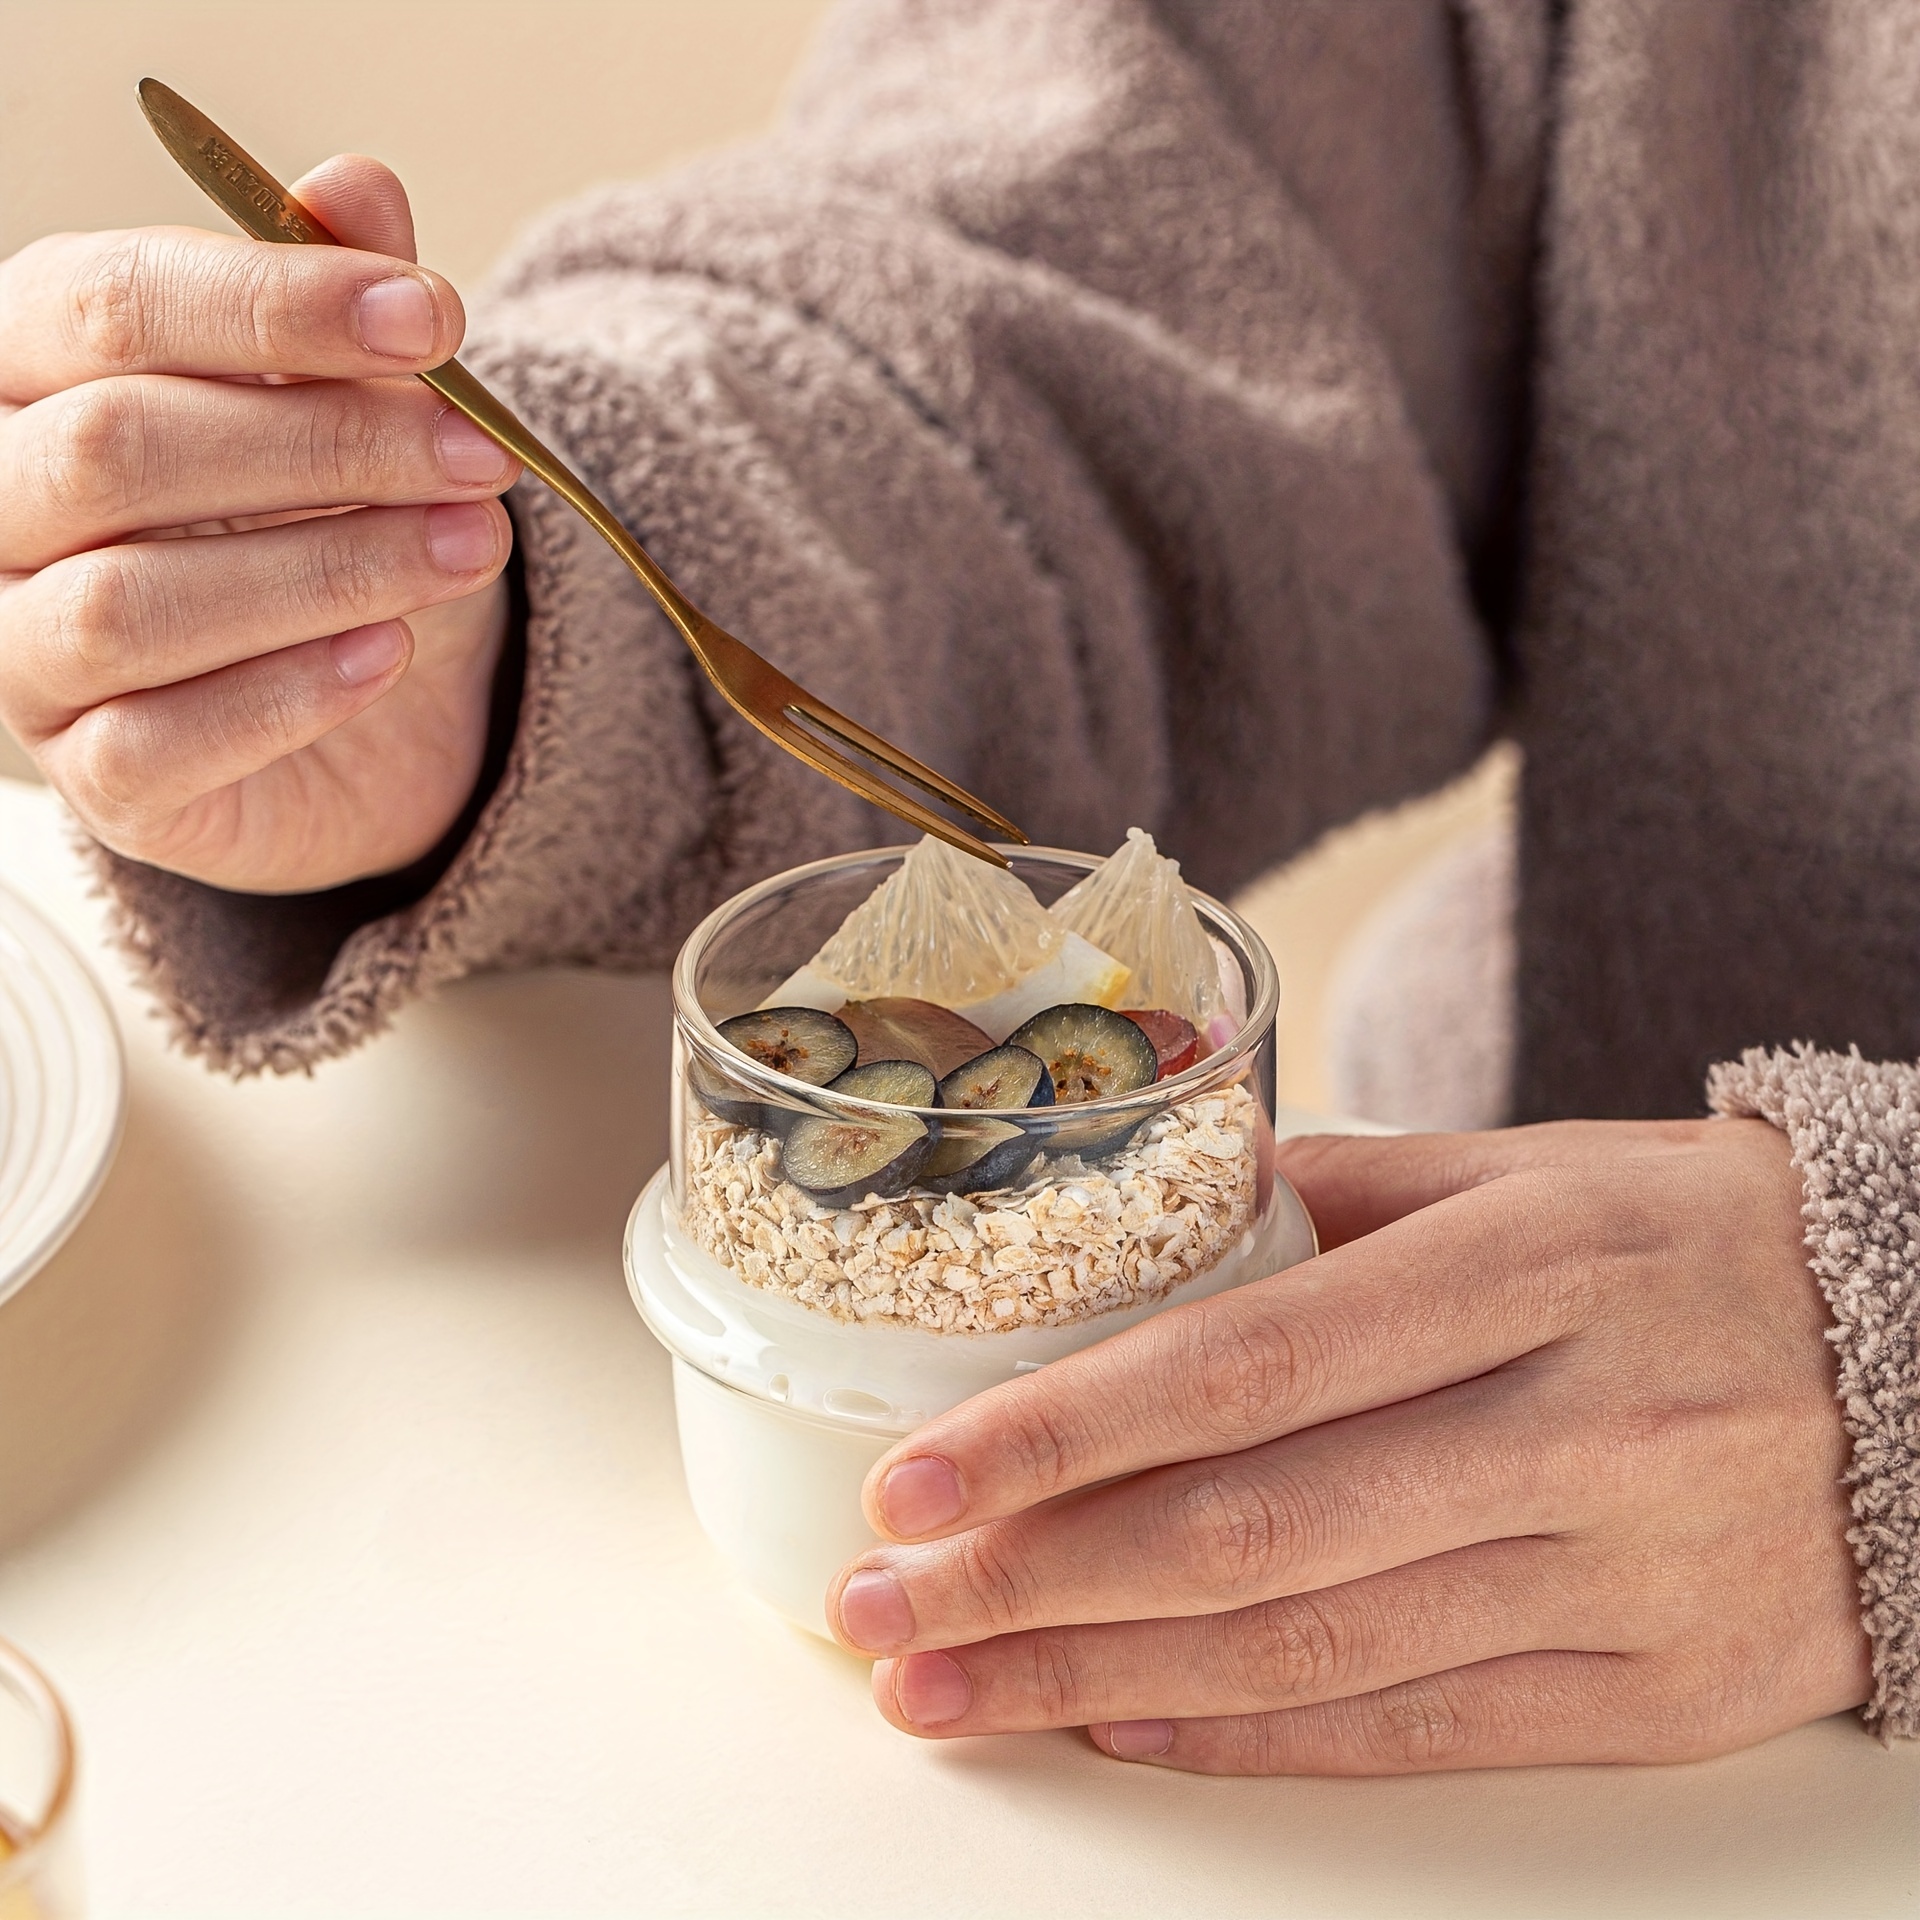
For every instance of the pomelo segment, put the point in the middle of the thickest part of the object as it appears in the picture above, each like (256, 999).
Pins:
(1136, 907)
(967, 936)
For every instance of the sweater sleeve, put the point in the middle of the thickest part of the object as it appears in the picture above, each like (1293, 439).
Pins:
(1113, 403)
(1855, 1129)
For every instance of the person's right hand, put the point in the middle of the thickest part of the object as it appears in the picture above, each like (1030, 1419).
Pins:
(250, 573)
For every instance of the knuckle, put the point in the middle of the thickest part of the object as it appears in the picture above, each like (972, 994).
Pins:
(253, 290)
(1291, 1650)
(1421, 1724)
(97, 618)
(1054, 1678)
(92, 456)
(348, 571)
(1045, 1448)
(1248, 1379)
(102, 778)
(352, 450)
(106, 313)
(1243, 1529)
(998, 1588)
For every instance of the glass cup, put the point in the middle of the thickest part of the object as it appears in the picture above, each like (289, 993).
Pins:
(808, 1337)
(39, 1866)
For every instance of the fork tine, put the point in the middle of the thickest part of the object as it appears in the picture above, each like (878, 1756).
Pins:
(849, 773)
(815, 710)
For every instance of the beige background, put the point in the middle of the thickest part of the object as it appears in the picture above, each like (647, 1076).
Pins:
(491, 110)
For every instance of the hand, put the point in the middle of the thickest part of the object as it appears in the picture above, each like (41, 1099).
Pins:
(1540, 1463)
(250, 594)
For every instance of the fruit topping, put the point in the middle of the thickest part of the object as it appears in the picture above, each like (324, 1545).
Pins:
(892, 1083)
(1174, 1039)
(949, 929)
(840, 1162)
(1136, 907)
(971, 1155)
(1090, 1052)
(901, 1029)
(1001, 1077)
(801, 1042)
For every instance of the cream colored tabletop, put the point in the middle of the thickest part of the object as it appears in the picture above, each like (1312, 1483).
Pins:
(338, 1489)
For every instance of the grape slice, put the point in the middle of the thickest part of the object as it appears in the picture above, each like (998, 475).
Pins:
(1091, 1053)
(971, 1155)
(800, 1042)
(840, 1161)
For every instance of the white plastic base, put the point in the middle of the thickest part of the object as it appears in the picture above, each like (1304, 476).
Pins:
(783, 1410)
(777, 1493)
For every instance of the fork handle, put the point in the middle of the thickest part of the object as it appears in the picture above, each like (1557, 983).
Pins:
(499, 422)
(258, 204)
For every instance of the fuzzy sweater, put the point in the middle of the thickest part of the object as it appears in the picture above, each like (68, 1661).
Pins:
(1221, 415)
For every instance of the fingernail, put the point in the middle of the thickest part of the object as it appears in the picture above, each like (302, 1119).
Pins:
(919, 1495)
(467, 456)
(1139, 1739)
(932, 1689)
(396, 318)
(875, 1614)
(461, 538)
(366, 653)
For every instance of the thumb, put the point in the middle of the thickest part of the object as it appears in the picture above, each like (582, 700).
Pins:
(361, 203)
(1354, 1184)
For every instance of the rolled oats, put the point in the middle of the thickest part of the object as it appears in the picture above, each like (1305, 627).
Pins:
(1076, 1240)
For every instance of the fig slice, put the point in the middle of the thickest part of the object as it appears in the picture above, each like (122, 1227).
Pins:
(800, 1042)
(1001, 1077)
(1091, 1053)
(893, 1083)
(971, 1155)
(903, 1029)
(839, 1161)
(1175, 1039)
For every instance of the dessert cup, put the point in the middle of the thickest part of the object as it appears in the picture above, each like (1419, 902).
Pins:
(39, 1867)
(808, 1338)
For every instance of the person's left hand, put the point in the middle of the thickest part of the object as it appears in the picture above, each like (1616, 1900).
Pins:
(1540, 1462)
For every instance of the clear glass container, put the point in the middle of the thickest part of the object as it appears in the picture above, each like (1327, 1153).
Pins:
(39, 1865)
(809, 1335)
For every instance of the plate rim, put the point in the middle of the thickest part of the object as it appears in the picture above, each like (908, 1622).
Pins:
(93, 996)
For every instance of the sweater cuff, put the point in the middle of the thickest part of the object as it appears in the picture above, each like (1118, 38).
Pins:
(1855, 1129)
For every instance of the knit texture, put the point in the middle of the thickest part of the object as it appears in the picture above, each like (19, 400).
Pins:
(1203, 415)
(1855, 1129)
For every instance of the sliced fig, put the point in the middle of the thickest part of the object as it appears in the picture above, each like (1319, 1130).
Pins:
(841, 1161)
(801, 1042)
(1003, 1077)
(894, 1083)
(974, 1154)
(1175, 1040)
(1091, 1053)
(901, 1029)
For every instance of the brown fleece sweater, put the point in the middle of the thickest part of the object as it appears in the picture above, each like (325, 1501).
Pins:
(1218, 415)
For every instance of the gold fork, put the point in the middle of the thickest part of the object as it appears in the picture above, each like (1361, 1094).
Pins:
(784, 711)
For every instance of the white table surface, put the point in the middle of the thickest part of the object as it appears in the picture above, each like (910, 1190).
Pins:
(338, 1489)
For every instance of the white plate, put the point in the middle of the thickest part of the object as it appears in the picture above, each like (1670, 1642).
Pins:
(62, 1091)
